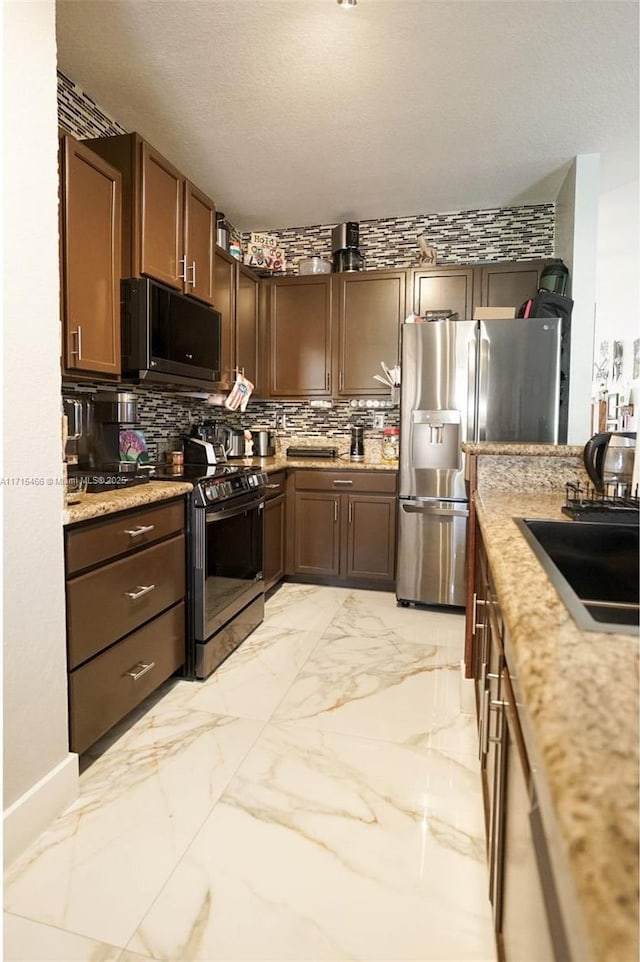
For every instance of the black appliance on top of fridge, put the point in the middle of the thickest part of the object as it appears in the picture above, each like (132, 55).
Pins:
(490, 380)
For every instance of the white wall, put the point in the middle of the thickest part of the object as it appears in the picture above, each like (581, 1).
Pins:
(40, 776)
(576, 243)
(617, 286)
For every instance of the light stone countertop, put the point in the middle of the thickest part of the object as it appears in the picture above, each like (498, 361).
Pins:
(517, 449)
(280, 461)
(110, 502)
(577, 695)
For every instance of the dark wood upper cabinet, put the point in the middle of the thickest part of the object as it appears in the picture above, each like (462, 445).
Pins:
(91, 232)
(507, 284)
(224, 266)
(199, 243)
(246, 332)
(443, 289)
(299, 331)
(369, 307)
(161, 207)
(168, 223)
(237, 297)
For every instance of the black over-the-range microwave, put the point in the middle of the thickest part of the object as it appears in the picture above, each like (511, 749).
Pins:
(167, 337)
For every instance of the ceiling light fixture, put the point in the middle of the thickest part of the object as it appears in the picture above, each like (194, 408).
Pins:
(346, 4)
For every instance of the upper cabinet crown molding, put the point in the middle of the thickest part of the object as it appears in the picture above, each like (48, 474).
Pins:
(169, 224)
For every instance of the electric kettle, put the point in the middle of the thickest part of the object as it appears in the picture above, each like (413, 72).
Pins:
(608, 459)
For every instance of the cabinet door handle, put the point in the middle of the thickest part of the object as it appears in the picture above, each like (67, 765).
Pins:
(484, 725)
(350, 512)
(140, 530)
(140, 669)
(78, 336)
(328, 380)
(341, 381)
(193, 272)
(183, 269)
(343, 482)
(335, 511)
(142, 590)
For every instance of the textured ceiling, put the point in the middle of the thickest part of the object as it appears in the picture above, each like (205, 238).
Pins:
(299, 112)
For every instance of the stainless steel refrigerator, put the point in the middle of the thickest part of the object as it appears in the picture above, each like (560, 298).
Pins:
(495, 380)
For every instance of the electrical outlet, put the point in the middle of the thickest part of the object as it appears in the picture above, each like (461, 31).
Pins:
(378, 421)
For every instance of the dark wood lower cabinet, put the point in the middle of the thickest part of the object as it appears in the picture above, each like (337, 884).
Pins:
(344, 527)
(274, 530)
(371, 537)
(526, 913)
(125, 596)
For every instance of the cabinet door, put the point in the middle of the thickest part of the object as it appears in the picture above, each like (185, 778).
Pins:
(199, 243)
(300, 336)
(317, 533)
(161, 233)
(371, 537)
(508, 284)
(273, 563)
(522, 908)
(246, 336)
(370, 308)
(225, 302)
(91, 261)
(443, 289)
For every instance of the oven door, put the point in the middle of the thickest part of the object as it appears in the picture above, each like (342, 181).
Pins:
(227, 562)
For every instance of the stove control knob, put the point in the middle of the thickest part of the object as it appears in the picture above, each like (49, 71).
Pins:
(210, 492)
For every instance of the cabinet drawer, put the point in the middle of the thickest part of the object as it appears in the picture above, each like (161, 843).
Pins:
(104, 690)
(275, 485)
(125, 532)
(374, 482)
(111, 601)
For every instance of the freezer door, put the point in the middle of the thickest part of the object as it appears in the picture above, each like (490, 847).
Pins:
(431, 552)
(436, 407)
(519, 380)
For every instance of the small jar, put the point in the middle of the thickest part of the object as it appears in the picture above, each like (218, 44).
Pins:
(390, 444)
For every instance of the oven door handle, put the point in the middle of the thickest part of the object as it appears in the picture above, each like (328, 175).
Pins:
(214, 515)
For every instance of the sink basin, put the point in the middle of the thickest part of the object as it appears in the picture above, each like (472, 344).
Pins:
(593, 567)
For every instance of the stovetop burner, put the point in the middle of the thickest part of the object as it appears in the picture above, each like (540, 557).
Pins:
(584, 503)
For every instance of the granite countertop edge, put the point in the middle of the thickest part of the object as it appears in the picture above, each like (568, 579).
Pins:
(577, 695)
(518, 449)
(280, 462)
(100, 505)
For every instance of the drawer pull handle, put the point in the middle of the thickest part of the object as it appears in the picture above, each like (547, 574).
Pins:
(142, 529)
(143, 590)
(343, 482)
(140, 669)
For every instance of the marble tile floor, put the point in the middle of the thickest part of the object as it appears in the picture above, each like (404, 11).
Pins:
(318, 798)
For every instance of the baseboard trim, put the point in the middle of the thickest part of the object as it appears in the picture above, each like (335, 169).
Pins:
(34, 811)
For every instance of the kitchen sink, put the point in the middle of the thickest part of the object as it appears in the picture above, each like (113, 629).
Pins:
(593, 567)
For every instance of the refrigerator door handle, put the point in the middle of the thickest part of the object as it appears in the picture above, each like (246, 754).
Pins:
(436, 510)
(482, 385)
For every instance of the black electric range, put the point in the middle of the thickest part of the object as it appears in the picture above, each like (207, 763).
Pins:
(215, 483)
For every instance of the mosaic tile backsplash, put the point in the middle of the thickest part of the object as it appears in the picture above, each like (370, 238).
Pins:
(463, 237)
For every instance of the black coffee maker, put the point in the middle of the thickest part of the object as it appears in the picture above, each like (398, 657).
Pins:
(356, 450)
(344, 247)
(118, 443)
